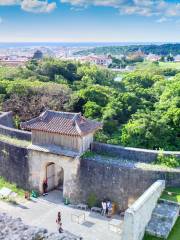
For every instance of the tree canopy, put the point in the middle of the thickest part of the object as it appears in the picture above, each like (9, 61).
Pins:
(141, 110)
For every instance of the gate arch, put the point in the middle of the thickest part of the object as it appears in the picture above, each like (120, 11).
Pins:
(55, 176)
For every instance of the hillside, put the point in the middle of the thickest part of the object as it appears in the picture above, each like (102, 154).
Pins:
(164, 49)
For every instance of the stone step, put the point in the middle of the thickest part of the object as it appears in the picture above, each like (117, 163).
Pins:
(166, 209)
(159, 227)
(163, 219)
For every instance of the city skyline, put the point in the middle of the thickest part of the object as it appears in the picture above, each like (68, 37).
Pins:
(89, 21)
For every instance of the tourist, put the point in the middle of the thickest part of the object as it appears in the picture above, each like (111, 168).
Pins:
(59, 223)
(45, 187)
(103, 208)
(109, 208)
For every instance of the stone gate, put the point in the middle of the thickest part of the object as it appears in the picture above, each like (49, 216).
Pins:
(58, 139)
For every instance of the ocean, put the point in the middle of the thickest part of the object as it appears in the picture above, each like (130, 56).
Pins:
(70, 44)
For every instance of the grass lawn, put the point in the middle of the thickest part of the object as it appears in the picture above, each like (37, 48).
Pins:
(174, 235)
(13, 187)
(170, 65)
(172, 194)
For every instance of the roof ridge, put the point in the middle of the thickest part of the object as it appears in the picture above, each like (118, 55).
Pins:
(71, 113)
(44, 114)
(78, 128)
(74, 122)
(76, 115)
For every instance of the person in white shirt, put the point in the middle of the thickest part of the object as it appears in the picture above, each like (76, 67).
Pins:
(103, 208)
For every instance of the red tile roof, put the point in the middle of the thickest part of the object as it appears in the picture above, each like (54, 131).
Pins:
(63, 123)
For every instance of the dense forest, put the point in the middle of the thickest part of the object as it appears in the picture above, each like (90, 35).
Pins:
(164, 50)
(141, 110)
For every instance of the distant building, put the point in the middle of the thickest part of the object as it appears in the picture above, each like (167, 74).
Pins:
(130, 68)
(98, 60)
(153, 57)
(136, 55)
(13, 60)
(38, 55)
(120, 56)
(177, 58)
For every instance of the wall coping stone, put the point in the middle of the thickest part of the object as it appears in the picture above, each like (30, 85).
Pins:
(131, 164)
(139, 214)
(129, 153)
(7, 129)
(137, 149)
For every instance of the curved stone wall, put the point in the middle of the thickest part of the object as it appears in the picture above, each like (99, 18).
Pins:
(6, 127)
(135, 154)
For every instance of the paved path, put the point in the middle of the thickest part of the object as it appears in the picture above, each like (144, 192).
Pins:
(42, 212)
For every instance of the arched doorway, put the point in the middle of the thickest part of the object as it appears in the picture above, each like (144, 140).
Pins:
(50, 176)
(60, 180)
(54, 176)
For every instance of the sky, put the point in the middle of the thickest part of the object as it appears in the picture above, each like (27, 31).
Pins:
(89, 20)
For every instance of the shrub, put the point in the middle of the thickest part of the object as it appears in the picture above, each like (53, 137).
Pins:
(88, 154)
(92, 200)
(169, 161)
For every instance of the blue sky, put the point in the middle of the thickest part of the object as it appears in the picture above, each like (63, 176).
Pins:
(90, 20)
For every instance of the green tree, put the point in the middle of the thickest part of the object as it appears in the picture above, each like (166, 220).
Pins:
(92, 110)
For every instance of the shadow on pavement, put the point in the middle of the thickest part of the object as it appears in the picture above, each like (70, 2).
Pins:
(88, 224)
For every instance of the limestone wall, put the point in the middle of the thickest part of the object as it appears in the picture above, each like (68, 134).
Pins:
(122, 184)
(6, 119)
(139, 214)
(14, 164)
(136, 154)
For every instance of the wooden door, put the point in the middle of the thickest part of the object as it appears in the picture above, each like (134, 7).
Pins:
(51, 176)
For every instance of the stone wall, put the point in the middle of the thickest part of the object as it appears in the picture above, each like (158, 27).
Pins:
(6, 119)
(6, 127)
(121, 184)
(135, 154)
(14, 164)
(15, 133)
(139, 214)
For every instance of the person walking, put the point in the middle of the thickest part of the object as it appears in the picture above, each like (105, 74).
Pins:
(103, 208)
(45, 187)
(109, 209)
(59, 223)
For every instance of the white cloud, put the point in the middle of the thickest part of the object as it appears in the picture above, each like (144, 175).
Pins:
(161, 20)
(157, 8)
(9, 2)
(85, 3)
(138, 7)
(35, 6)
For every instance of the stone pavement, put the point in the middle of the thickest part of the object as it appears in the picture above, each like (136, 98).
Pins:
(43, 212)
(15, 229)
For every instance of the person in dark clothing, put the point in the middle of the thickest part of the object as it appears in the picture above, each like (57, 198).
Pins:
(45, 187)
(59, 223)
